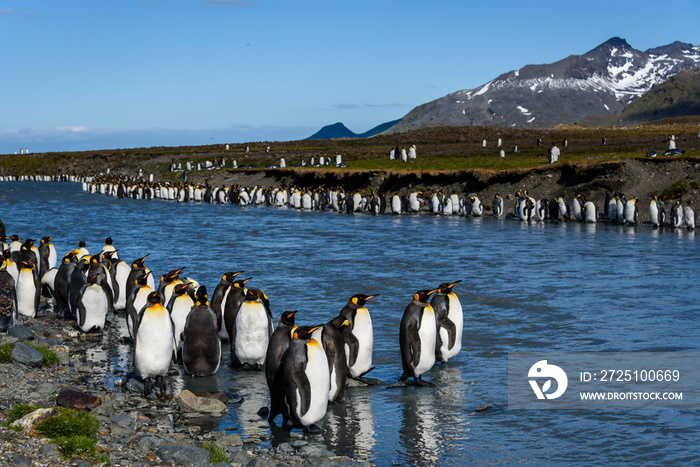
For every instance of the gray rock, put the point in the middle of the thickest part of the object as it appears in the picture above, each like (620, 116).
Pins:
(22, 460)
(46, 389)
(191, 403)
(259, 462)
(285, 448)
(184, 455)
(122, 420)
(63, 357)
(237, 455)
(82, 463)
(222, 464)
(107, 409)
(298, 443)
(20, 332)
(49, 450)
(26, 355)
(134, 385)
(316, 450)
(8, 340)
(151, 443)
(230, 440)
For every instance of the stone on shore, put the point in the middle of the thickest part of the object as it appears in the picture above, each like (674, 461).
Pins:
(31, 420)
(78, 400)
(191, 403)
(20, 332)
(26, 355)
(184, 455)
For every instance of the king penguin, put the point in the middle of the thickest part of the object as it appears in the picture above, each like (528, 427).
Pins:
(153, 344)
(201, 346)
(233, 302)
(61, 282)
(47, 255)
(306, 382)
(27, 289)
(358, 336)
(251, 332)
(136, 301)
(417, 338)
(8, 301)
(219, 297)
(329, 335)
(92, 304)
(449, 319)
(276, 348)
(137, 268)
(180, 306)
(120, 272)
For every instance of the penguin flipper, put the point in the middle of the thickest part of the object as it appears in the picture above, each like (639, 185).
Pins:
(410, 352)
(297, 386)
(353, 347)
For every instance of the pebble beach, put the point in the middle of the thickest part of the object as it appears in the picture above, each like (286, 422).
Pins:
(133, 430)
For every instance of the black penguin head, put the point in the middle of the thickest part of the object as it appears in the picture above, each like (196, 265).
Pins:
(241, 283)
(153, 297)
(14, 238)
(171, 275)
(202, 297)
(46, 239)
(143, 279)
(183, 288)
(252, 295)
(28, 243)
(360, 299)
(228, 277)
(94, 259)
(25, 265)
(446, 287)
(70, 257)
(138, 263)
(108, 241)
(81, 244)
(304, 332)
(92, 279)
(422, 295)
(287, 317)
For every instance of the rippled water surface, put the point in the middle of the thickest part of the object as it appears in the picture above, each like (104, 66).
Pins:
(525, 287)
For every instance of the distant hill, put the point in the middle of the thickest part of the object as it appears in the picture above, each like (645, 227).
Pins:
(677, 97)
(591, 89)
(338, 130)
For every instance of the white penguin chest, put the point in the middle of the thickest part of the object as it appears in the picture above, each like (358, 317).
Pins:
(252, 333)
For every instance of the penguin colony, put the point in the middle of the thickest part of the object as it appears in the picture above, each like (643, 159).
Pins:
(618, 208)
(306, 367)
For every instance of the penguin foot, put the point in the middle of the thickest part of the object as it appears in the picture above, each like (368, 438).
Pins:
(362, 380)
(287, 425)
(160, 384)
(147, 386)
(421, 382)
(313, 429)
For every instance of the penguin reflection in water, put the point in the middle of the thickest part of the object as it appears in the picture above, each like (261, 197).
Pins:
(417, 337)
(154, 346)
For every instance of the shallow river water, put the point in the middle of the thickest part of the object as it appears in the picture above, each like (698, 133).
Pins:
(526, 287)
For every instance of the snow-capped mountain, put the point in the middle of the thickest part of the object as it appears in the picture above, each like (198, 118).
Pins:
(590, 89)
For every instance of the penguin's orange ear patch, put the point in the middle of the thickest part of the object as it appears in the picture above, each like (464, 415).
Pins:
(416, 297)
(354, 300)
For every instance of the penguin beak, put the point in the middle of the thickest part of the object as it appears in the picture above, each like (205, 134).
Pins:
(246, 280)
(371, 296)
(141, 260)
(431, 292)
(455, 283)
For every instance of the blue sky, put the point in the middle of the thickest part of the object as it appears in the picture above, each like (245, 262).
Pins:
(105, 74)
